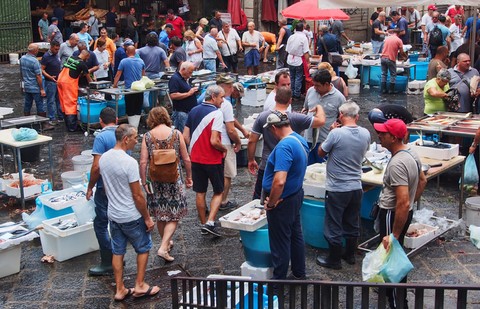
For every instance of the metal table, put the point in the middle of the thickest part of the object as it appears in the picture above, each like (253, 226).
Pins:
(6, 139)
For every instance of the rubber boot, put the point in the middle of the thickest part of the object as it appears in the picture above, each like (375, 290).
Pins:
(384, 88)
(134, 121)
(45, 125)
(350, 249)
(71, 123)
(333, 260)
(105, 267)
(391, 90)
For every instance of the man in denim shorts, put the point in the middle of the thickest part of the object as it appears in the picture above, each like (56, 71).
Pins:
(127, 211)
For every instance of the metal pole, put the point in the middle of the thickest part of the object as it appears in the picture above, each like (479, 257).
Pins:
(473, 35)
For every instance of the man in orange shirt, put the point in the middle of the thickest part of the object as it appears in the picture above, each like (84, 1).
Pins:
(391, 47)
(178, 24)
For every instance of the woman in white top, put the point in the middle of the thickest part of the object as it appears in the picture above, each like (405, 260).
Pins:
(103, 60)
(193, 48)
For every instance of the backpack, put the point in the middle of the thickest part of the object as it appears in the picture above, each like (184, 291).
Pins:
(163, 165)
(435, 37)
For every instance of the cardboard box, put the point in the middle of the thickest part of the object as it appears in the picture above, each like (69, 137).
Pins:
(415, 242)
(435, 153)
(231, 220)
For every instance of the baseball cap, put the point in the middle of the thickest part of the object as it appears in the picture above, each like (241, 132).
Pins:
(276, 118)
(240, 88)
(169, 26)
(432, 7)
(54, 19)
(224, 79)
(396, 127)
(128, 42)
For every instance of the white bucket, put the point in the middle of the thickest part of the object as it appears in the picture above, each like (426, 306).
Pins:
(72, 178)
(13, 58)
(82, 163)
(87, 152)
(353, 86)
(472, 211)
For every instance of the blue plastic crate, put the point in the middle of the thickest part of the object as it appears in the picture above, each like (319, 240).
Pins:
(312, 215)
(122, 108)
(368, 199)
(421, 70)
(256, 247)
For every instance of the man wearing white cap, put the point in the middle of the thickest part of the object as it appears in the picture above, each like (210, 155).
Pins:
(93, 25)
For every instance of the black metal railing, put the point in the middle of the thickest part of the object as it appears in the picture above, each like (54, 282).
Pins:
(190, 292)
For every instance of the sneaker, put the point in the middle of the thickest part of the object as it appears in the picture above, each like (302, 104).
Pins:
(228, 205)
(203, 231)
(53, 122)
(210, 229)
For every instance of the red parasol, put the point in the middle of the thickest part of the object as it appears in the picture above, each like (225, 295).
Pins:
(234, 10)
(269, 12)
(309, 10)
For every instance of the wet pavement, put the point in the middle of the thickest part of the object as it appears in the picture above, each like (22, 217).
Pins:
(451, 259)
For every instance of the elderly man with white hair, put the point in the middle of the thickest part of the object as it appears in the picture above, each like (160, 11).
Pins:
(211, 51)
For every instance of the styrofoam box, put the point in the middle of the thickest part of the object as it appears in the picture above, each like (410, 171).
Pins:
(315, 188)
(435, 153)
(415, 242)
(256, 273)
(45, 199)
(231, 220)
(64, 245)
(254, 97)
(10, 260)
(27, 191)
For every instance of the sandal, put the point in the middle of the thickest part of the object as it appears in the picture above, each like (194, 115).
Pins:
(130, 291)
(148, 292)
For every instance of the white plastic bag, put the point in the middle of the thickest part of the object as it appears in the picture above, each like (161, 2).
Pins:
(138, 85)
(475, 235)
(372, 263)
(84, 212)
(351, 71)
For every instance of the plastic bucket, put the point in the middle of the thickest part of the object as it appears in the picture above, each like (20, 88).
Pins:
(472, 211)
(69, 179)
(82, 163)
(13, 58)
(87, 152)
(353, 86)
(256, 247)
(312, 215)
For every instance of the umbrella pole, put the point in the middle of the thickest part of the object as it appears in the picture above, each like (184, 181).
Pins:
(314, 37)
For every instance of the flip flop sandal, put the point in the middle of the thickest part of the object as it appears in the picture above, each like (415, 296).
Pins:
(129, 293)
(147, 293)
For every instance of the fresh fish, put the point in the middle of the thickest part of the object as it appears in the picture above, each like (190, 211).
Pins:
(315, 135)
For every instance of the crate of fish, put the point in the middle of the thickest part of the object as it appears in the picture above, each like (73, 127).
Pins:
(249, 217)
(64, 238)
(62, 199)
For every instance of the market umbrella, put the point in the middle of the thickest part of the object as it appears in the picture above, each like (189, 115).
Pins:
(234, 10)
(309, 10)
(269, 12)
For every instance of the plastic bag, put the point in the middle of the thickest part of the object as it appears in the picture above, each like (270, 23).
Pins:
(470, 171)
(84, 212)
(397, 265)
(147, 82)
(36, 217)
(24, 134)
(351, 71)
(138, 85)
(475, 235)
(372, 263)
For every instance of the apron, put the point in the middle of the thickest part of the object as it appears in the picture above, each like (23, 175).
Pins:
(67, 92)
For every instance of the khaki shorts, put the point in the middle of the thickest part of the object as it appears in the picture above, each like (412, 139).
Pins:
(230, 163)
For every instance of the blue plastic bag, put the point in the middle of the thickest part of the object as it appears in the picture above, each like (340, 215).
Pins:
(470, 171)
(397, 265)
(24, 134)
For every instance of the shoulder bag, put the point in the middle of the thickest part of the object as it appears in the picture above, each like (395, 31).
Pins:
(234, 56)
(334, 58)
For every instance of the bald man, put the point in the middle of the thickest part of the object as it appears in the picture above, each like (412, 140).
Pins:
(67, 48)
(133, 68)
(251, 41)
(67, 84)
(461, 73)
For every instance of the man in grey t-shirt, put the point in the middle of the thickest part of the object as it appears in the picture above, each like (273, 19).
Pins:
(322, 93)
(346, 147)
(298, 122)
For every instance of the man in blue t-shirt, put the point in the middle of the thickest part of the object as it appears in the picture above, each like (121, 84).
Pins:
(402, 24)
(282, 186)
(103, 142)
(132, 68)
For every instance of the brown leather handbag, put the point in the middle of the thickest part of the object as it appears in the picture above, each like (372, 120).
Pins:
(164, 162)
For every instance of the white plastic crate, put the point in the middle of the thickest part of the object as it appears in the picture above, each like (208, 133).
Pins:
(10, 260)
(435, 153)
(415, 242)
(46, 198)
(231, 220)
(27, 191)
(64, 245)
(254, 97)
(256, 273)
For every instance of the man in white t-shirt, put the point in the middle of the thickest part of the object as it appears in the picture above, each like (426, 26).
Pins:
(426, 20)
(229, 43)
(251, 41)
(127, 212)
(282, 79)
(297, 47)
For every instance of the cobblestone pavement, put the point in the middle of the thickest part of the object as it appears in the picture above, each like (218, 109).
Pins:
(451, 259)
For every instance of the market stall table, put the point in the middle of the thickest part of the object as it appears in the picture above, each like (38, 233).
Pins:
(371, 178)
(6, 139)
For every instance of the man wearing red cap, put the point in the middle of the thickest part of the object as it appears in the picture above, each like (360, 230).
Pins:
(403, 184)
(426, 20)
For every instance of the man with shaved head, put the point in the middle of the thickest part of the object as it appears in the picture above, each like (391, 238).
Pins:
(32, 83)
(440, 61)
(251, 41)
(461, 74)
(67, 48)
(133, 68)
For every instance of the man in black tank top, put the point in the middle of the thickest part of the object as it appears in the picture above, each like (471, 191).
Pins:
(283, 36)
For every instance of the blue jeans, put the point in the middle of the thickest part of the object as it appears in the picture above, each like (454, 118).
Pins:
(100, 223)
(389, 66)
(153, 96)
(296, 75)
(53, 103)
(286, 237)
(210, 64)
(134, 232)
(29, 97)
(179, 120)
(377, 47)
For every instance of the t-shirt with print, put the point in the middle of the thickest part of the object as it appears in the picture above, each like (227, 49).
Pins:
(298, 123)
(118, 171)
(202, 120)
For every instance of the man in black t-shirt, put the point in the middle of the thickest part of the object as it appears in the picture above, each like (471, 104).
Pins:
(111, 20)
(378, 33)
(375, 15)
